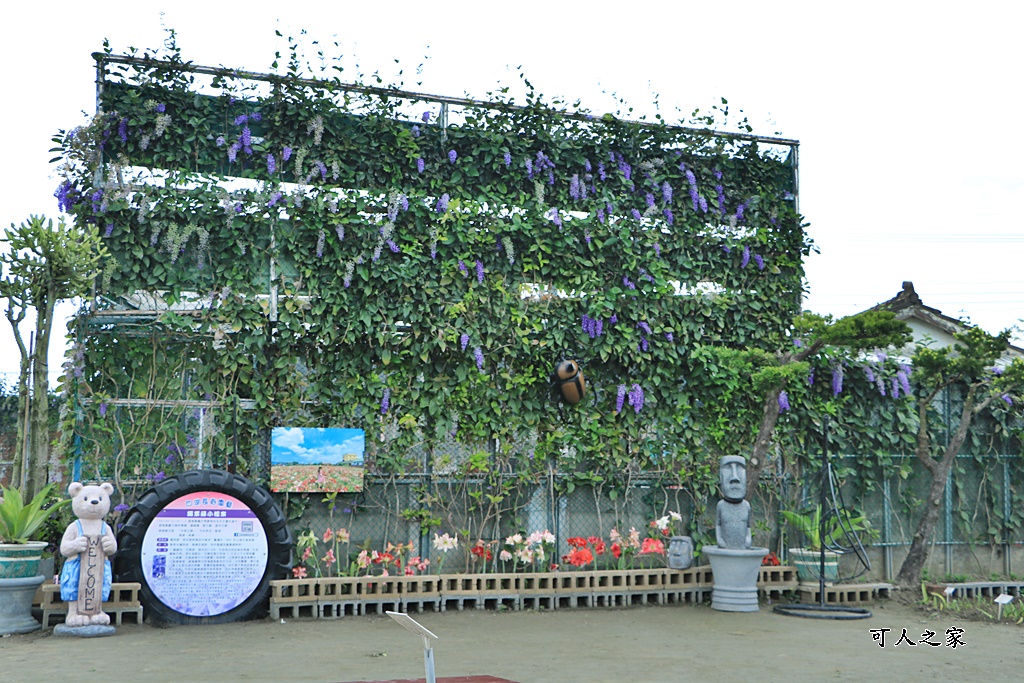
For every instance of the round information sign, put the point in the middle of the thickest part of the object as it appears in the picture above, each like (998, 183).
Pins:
(204, 545)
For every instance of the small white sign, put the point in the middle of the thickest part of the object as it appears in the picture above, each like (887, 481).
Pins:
(949, 591)
(1004, 599)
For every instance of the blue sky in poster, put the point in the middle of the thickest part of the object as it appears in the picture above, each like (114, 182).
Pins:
(313, 446)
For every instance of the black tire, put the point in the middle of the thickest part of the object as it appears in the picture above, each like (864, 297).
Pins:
(128, 561)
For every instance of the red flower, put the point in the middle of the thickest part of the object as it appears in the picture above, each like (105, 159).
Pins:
(481, 550)
(652, 546)
(616, 550)
(770, 560)
(576, 542)
(580, 557)
(598, 545)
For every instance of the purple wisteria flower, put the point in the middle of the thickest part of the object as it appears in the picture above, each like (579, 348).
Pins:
(670, 337)
(649, 199)
(692, 181)
(122, 130)
(627, 283)
(869, 373)
(1007, 399)
(657, 252)
(109, 231)
(121, 507)
(600, 216)
(415, 131)
(320, 241)
(555, 217)
(614, 319)
(644, 326)
(480, 272)
(241, 119)
(274, 199)
(426, 117)
(726, 248)
(420, 165)
(246, 137)
(895, 388)
(442, 203)
(837, 380)
(65, 196)
(385, 401)
(759, 260)
(271, 164)
(452, 156)
(233, 152)
(783, 401)
(161, 108)
(636, 398)
(221, 141)
(159, 476)
(322, 168)
(666, 192)
(462, 267)
(798, 343)
(703, 204)
(478, 354)
(574, 187)
(720, 191)
(620, 398)
(670, 217)
(529, 168)
(508, 160)
(904, 381)
(103, 409)
(635, 213)
(739, 211)
(600, 171)
(393, 247)
(464, 340)
(997, 370)
(746, 257)
(97, 201)
(810, 378)
(286, 153)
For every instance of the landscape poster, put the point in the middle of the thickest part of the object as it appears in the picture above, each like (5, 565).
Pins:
(316, 460)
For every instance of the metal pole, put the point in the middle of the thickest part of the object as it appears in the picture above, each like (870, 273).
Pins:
(886, 530)
(428, 659)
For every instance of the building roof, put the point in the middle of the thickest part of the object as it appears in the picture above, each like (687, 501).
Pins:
(926, 321)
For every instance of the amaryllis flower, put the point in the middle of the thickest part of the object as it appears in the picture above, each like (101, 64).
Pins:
(299, 572)
(652, 546)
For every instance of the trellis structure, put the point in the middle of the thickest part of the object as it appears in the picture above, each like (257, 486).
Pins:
(302, 252)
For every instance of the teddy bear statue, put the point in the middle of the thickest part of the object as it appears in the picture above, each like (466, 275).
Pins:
(87, 544)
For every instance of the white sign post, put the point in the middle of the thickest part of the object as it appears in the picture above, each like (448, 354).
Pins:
(1004, 599)
(409, 624)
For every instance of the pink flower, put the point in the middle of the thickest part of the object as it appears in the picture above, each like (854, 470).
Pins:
(328, 536)
(363, 559)
(342, 535)
(299, 572)
(652, 546)
(306, 554)
(329, 558)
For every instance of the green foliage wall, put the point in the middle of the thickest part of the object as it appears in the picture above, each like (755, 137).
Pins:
(428, 278)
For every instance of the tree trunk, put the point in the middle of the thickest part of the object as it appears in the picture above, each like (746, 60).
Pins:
(909, 575)
(39, 411)
(759, 455)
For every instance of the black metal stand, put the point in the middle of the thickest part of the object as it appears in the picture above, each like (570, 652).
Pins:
(831, 504)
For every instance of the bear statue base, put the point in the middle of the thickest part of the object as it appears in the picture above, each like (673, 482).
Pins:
(87, 631)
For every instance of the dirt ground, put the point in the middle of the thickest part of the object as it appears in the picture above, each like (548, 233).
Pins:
(638, 644)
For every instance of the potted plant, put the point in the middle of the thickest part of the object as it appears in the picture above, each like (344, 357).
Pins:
(819, 532)
(20, 553)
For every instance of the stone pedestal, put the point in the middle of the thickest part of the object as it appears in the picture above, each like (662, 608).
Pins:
(16, 605)
(735, 577)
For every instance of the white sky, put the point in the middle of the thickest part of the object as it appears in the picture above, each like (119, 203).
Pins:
(907, 112)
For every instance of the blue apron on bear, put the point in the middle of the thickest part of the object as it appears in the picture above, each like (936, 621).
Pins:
(70, 572)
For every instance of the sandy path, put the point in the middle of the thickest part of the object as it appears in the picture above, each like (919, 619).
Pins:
(672, 643)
